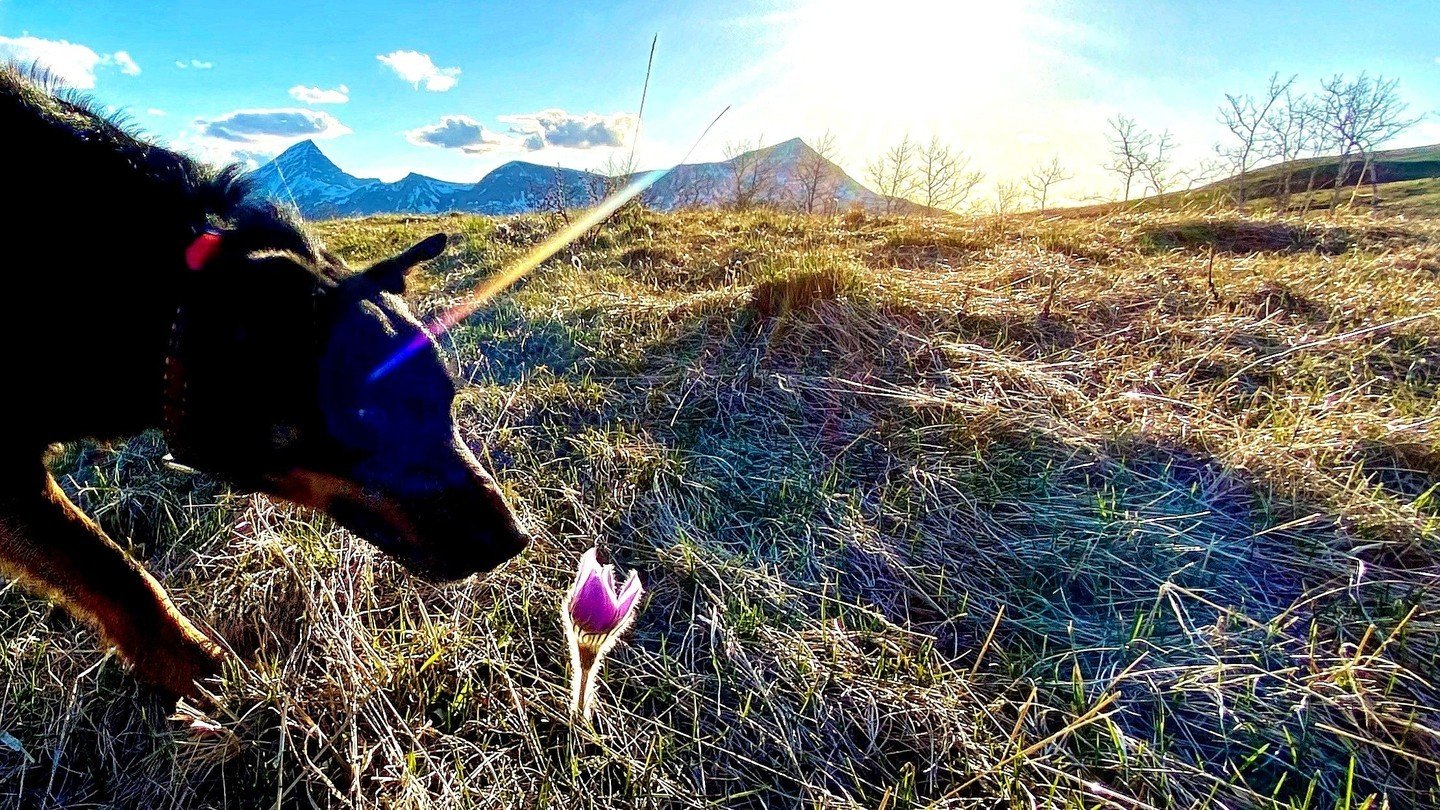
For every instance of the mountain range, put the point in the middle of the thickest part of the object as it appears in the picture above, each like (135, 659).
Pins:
(304, 176)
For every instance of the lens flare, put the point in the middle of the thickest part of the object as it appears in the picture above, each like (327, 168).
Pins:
(496, 284)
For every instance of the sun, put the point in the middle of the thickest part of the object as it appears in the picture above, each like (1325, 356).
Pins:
(989, 78)
(873, 69)
(905, 51)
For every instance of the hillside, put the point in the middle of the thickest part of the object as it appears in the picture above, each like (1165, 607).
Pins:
(707, 184)
(1135, 510)
(1392, 166)
(303, 176)
(1409, 182)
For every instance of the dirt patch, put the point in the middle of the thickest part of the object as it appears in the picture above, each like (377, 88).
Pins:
(1277, 299)
(649, 256)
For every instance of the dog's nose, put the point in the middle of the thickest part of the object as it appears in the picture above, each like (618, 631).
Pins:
(522, 541)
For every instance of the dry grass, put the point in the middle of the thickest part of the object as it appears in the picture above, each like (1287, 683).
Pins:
(960, 514)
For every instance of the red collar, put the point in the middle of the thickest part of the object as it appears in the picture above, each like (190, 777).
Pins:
(202, 250)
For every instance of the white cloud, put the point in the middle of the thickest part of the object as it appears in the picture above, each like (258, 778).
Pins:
(529, 132)
(127, 65)
(157, 112)
(254, 126)
(417, 69)
(250, 137)
(569, 130)
(460, 132)
(70, 62)
(319, 95)
(193, 63)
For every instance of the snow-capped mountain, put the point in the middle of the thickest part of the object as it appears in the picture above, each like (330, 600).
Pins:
(413, 193)
(304, 176)
(518, 187)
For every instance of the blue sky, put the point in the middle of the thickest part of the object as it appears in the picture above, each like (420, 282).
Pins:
(466, 86)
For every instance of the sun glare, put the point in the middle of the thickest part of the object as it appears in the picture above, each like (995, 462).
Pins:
(915, 67)
(916, 52)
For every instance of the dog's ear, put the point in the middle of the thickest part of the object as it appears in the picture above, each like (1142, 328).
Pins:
(389, 274)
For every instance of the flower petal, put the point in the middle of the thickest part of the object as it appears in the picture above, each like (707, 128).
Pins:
(608, 570)
(625, 602)
(589, 565)
(592, 607)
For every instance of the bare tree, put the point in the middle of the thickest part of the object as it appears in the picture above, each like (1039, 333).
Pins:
(752, 175)
(893, 173)
(611, 176)
(1245, 117)
(1321, 143)
(1139, 155)
(1007, 197)
(1361, 115)
(1156, 166)
(1042, 177)
(1130, 144)
(815, 180)
(688, 187)
(943, 179)
(1287, 133)
(554, 196)
(1204, 171)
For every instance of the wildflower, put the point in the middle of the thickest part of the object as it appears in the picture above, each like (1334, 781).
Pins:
(595, 614)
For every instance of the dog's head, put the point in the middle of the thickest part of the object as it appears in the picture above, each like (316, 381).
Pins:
(303, 379)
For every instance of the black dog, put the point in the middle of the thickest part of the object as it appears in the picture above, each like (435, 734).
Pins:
(264, 359)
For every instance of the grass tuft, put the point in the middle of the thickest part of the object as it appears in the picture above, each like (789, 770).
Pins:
(799, 286)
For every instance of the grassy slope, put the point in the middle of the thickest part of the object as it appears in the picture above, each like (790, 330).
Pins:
(1409, 183)
(909, 538)
(1393, 165)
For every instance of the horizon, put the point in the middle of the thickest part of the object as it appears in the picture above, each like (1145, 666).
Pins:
(452, 91)
(640, 169)
(643, 169)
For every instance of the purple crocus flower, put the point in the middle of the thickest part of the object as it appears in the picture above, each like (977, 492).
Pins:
(595, 613)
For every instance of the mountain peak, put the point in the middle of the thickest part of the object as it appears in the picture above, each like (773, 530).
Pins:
(795, 147)
(517, 165)
(306, 153)
(302, 148)
(302, 171)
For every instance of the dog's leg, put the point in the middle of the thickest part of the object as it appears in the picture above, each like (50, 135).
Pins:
(49, 544)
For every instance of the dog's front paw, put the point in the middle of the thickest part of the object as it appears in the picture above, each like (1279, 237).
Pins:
(177, 659)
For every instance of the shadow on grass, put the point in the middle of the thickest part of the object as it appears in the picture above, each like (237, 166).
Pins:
(1102, 557)
(1242, 237)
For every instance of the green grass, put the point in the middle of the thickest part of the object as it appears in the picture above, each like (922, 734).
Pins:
(969, 513)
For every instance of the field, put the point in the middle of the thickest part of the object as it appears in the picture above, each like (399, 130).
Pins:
(1124, 510)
